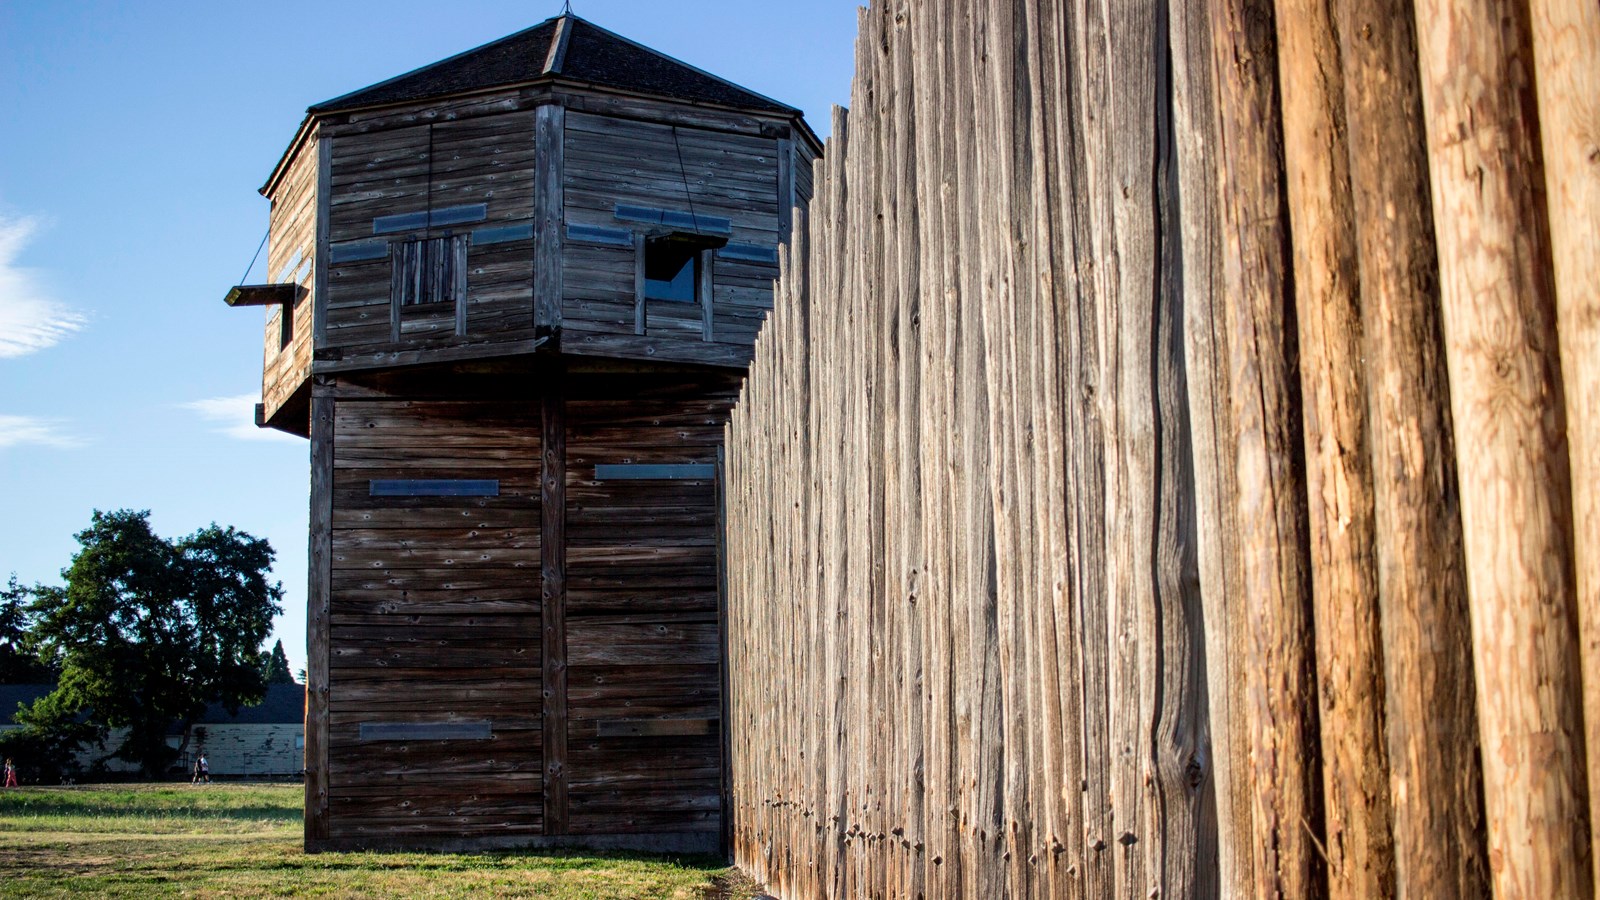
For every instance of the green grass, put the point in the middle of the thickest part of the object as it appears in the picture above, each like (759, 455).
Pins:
(227, 840)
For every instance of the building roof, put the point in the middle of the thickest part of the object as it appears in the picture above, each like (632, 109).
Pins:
(284, 704)
(25, 694)
(565, 47)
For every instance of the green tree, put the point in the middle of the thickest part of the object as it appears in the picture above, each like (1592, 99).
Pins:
(146, 632)
(19, 664)
(276, 666)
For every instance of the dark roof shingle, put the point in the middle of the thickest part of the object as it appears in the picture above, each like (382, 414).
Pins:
(593, 56)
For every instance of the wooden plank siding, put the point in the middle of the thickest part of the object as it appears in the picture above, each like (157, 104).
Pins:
(610, 161)
(291, 258)
(417, 168)
(593, 658)
(643, 641)
(435, 618)
(485, 150)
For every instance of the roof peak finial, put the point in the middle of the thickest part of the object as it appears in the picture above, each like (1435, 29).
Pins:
(566, 8)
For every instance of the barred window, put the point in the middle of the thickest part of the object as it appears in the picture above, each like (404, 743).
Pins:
(430, 271)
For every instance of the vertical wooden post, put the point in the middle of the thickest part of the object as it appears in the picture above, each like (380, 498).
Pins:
(319, 275)
(553, 609)
(638, 283)
(1276, 578)
(1339, 485)
(549, 211)
(1430, 706)
(724, 722)
(785, 189)
(1566, 55)
(1506, 395)
(705, 290)
(318, 597)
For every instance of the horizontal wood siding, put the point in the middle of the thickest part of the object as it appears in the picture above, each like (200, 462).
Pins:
(611, 161)
(291, 258)
(642, 633)
(461, 156)
(435, 619)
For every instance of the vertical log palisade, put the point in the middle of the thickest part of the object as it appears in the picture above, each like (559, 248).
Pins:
(1149, 454)
(1167, 471)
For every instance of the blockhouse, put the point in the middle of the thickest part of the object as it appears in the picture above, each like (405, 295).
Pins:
(511, 297)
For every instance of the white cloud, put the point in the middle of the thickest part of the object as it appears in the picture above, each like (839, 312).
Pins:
(236, 417)
(30, 319)
(18, 430)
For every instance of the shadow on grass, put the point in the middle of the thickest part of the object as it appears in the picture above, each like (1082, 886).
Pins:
(45, 807)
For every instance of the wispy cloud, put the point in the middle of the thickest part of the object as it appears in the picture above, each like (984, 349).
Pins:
(18, 430)
(235, 417)
(30, 319)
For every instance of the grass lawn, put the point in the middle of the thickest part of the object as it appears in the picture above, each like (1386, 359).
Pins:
(239, 840)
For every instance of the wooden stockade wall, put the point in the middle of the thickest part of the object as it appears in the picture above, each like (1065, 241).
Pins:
(1170, 468)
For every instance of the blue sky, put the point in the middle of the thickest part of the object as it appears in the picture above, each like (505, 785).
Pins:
(133, 138)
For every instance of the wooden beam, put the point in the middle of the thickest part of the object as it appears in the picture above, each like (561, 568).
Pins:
(1339, 482)
(549, 152)
(396, 357)
(320, 573)
(319, 273)
(724, 723)
(457, 247)
(1566, 55)
(638, 283)
(785, 189)
(263, 295)
(1498, 297)
(1269, 466)
(1430, 719)
(557, 56)
(705, 290)
(553, 564)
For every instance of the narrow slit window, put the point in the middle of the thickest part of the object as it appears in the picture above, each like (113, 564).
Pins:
(430, 271)
(671, 270)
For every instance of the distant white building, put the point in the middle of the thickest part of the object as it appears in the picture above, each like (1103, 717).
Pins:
(262, 741)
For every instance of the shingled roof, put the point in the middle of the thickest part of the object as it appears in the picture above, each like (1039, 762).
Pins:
(565, 47)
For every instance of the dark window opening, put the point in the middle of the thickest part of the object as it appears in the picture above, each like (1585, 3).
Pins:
(671, 270)
(430, 271)
(285, 325)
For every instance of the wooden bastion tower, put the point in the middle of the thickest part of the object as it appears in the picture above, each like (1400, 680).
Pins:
(513, 295)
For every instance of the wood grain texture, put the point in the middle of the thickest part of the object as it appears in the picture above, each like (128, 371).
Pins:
(1210, 416)
(1275, 568)
(1339, 483)
(553, 597)
(1499, 307)
(318, 624)
(964, 616)
(1430, 717)
(549, 206)
(1566, 58)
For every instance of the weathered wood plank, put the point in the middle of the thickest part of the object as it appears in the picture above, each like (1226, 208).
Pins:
(550, 141)
(553, 596)
(318, 626)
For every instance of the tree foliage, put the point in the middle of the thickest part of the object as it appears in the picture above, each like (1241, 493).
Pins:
(276, 666)
(146, 632)
(19, 663)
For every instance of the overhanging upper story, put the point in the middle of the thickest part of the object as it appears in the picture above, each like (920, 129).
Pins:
(561, 190)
